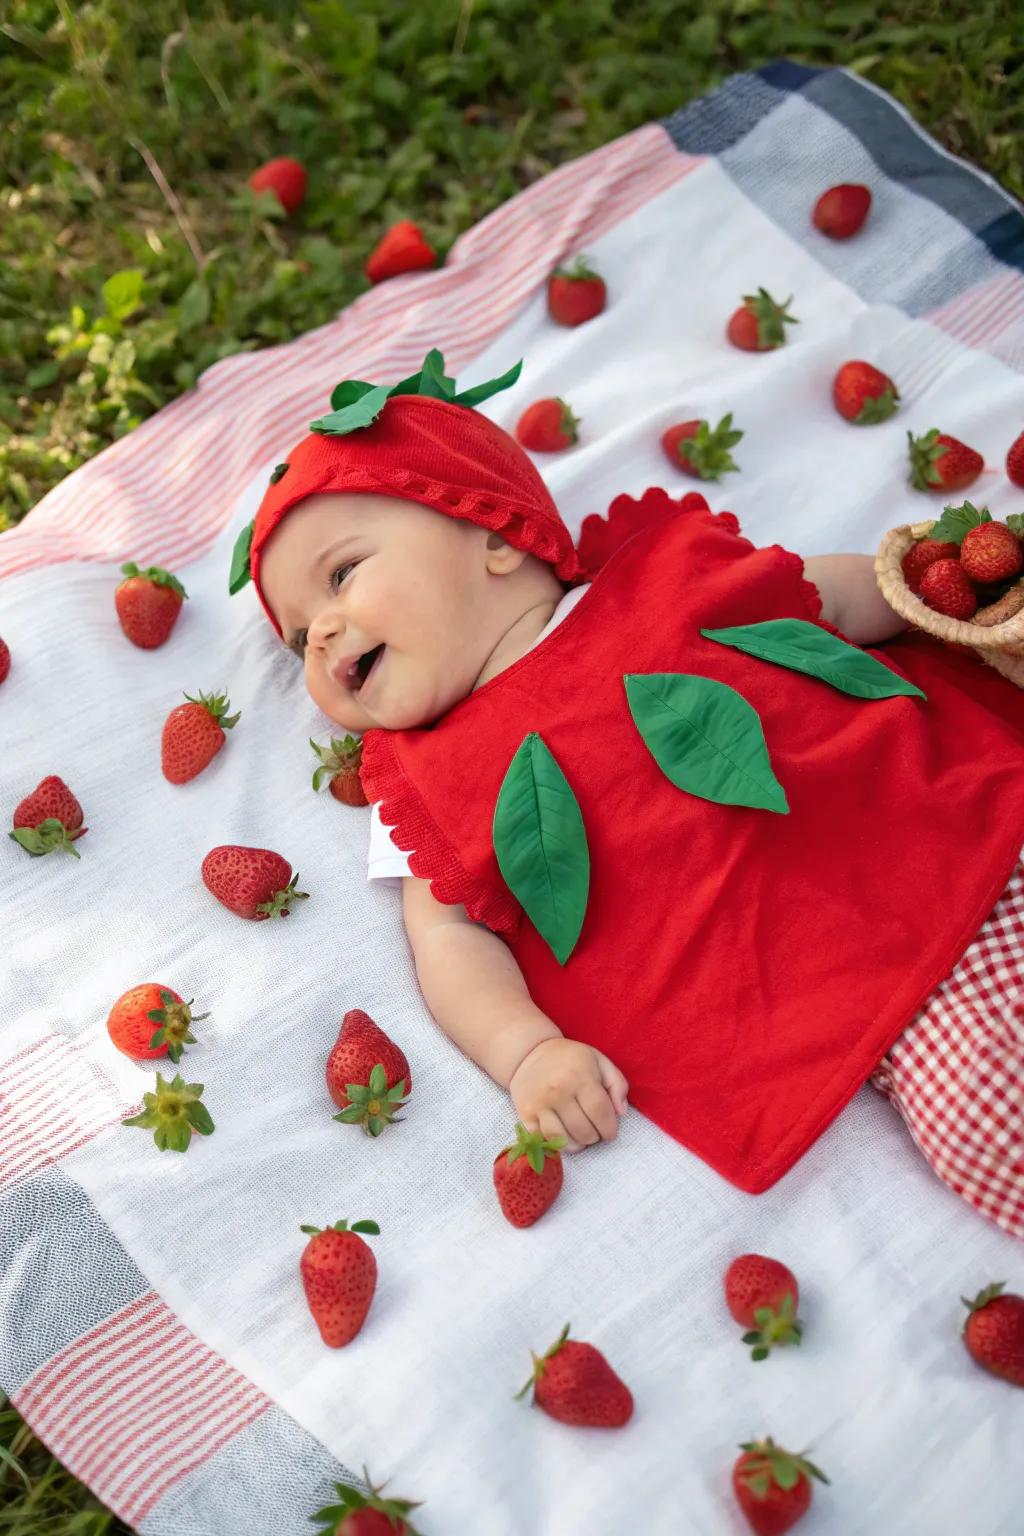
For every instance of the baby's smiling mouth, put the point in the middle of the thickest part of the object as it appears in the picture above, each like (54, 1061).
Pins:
(360, 670)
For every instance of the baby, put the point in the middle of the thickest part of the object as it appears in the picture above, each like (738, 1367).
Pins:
(410, 556)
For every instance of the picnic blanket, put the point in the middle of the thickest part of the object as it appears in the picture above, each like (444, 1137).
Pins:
(152, 1325)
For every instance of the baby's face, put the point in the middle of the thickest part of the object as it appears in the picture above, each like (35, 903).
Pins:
(386, 601)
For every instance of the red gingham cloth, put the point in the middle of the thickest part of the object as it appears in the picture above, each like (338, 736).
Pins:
(956, 1074)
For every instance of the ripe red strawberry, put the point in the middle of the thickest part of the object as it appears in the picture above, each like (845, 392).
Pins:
(401, 249)
(50, 817)
(939, 462)
(946, 587)
(193, 735)
(763, 1295)
(575, 1384)
(339, 1275)
(151, 1020)
(341, 761)
(923, 554)
(706, 454)
(285, 177)
(368, 1075)
(759, 324)
(863, 394)
(547, 426)
(5, 660)
(994, 1332)
(841, 211)
(528, 1176)
(1014, 462)
(148, 604)
(366, 1514)
(773, 1486)
(576, 293)
(254, 882)
(991, 552)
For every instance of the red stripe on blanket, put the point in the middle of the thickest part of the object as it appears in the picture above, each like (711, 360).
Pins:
(133, 498)
(53, 1099)
(109, 1405)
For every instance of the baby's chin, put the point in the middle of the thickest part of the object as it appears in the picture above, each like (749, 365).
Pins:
(394, 708)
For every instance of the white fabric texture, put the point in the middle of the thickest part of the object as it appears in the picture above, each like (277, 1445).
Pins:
(385, 861)
(915, 1440)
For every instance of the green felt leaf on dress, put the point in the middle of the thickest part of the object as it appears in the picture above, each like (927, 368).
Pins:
(348, 392)
(240, 561)
(806, 647)
(705, 738)
(361, 412)
(479, 392)
(541, 845)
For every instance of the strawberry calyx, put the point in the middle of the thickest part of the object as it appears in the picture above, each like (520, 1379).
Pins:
(771, 1464)
(982, 1299)
(373, 1105)
(707, 451)
(925, 453)
(540, 1362)
(773, 1327)
(47, 836)
(174, 1019)
(343, 1226)
(157, 575)
(279, 904)
(340, 757)
(173, 1112)
(581, 271)
(956, 522)
(350, 1500)
(771, 317)
(533, 1145)
(568, 422)
(217, 705)
(877, 408)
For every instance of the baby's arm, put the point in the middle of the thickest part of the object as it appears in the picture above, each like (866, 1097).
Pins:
(850, 598)
(476, 992)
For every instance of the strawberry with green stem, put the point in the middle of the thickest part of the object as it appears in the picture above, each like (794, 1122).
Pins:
(366, 1514)
(759, 325)
(148, 603)
(528, 1176)
(151, 1020)
(193, 734)
(772, 1486)
(173, 1113)
(939, 462)
(48, 818)
(340, 762)
(339, 1277)
(699, 449)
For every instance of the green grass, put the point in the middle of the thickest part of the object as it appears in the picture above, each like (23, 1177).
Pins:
(128, 131)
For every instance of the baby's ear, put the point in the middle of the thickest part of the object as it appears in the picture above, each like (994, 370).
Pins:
(502, 558)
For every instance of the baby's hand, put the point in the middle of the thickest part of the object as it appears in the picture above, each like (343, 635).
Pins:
(564, 1088)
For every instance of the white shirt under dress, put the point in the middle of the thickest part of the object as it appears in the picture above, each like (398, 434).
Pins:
(386, 862)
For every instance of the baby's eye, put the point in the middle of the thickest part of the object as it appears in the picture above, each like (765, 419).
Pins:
(339, 575)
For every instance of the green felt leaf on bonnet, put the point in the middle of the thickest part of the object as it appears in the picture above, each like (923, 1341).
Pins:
(356, 404)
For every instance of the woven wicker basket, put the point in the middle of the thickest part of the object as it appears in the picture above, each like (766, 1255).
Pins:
(1001, 644)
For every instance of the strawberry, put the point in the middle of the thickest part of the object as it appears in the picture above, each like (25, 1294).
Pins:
(5, 660)
(707, 450)
(1014, 466)
(368, 1076)
(366, 1514)
(401, 249)
(773, 1486)
(994, 1333)
(341, 760)
(759, 324)
(991, 552)
(863, 394)
(946, 587)
(923, 554)
(285, 177)
(339, 1275)
(575, 1384)
(547, 426)
(254, 882)
(172, 1113)
(148, 604)
(528, 1176)
(193, 735)
(151, 1020)
(575, 294)
(939, 462)
(763, 1295)
(50, 817)
(841, 211)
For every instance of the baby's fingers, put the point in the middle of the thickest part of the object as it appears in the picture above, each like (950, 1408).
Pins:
(614, 1081)
(597, 1105)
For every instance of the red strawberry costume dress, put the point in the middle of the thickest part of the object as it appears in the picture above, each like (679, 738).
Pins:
(744, 966)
